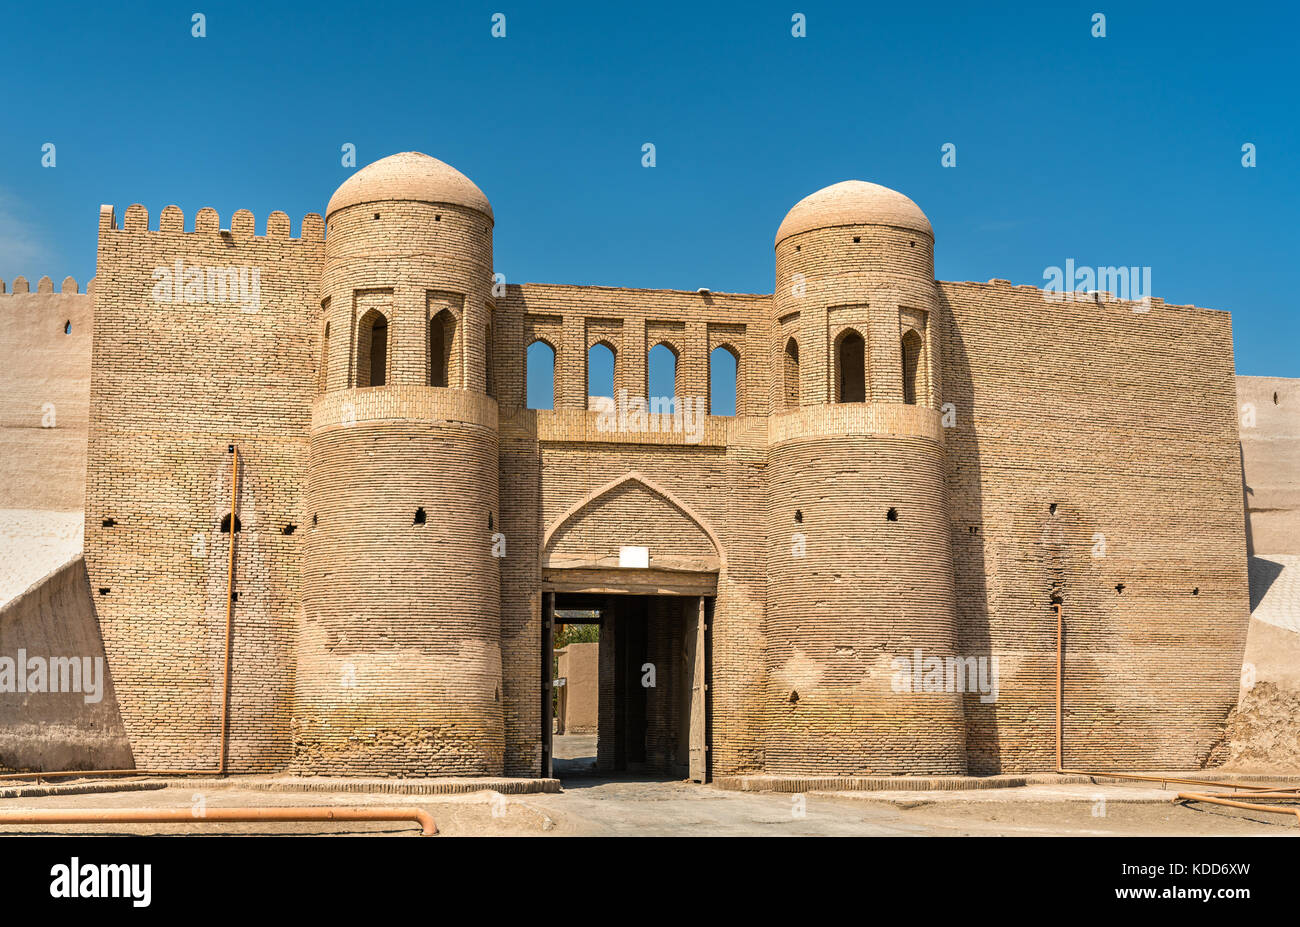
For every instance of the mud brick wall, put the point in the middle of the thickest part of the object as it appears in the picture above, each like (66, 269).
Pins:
(1094, 457)
(1269, 413)
(1264, 731)
(56, 730)
(45, 356)
(174, 383)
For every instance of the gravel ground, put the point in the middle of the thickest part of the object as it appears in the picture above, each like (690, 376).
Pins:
(631, 807)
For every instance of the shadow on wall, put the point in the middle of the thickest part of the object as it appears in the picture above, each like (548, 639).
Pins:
(58, 709)
(974, 639)
(1263, 573)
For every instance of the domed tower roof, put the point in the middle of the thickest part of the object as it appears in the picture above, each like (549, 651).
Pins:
(853, 202)
(409, 176)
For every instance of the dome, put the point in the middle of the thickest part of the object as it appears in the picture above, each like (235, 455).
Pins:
(853, 202)
(409, 176)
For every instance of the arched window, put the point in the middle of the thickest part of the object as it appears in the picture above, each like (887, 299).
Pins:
(790, 366)
(911, 365)
(372, 349)
(851, 367)
(442, 347)
(661, 377)
(541, 376)
(600, 372)
(325, 359)
(723, 377)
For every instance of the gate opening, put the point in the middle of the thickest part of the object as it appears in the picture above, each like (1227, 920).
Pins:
(629, 693)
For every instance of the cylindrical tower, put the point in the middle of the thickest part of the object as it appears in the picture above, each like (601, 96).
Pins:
(399, 655)
(860, 603)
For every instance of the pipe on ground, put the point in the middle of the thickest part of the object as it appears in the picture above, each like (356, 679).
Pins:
(1249, 806)
(223, 815)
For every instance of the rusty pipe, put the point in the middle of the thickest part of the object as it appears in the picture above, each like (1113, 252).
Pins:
(1179, 780)
(1060, 627)
(1249, 806)
(223, 815)
(225, 682)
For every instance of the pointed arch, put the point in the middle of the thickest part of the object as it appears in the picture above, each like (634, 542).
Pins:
(373, 339)
(724, 380)
(540, 358)
(443, 353)
(602, 371)
(912, 352)
(850, 366)
(662, 371)
(634, 477)
(790, 374)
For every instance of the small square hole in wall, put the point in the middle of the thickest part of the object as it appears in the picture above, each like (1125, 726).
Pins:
(437, 218)
(891, 515)
(420, 517)
(1196, 590)
(1119, 588)
(857, 239)
(289, 529)
(1051, 509)
(798, 516)
(104, 590)
(376, 215)
(109, 522)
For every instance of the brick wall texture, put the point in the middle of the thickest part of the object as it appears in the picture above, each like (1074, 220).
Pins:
(868, 559)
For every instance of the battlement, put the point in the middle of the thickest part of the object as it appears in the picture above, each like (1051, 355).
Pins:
(20, 286)
(207, 221)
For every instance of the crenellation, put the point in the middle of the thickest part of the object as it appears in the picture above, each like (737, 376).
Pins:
(242, 224)
(171, 219)
(136, 218)
(207, 220)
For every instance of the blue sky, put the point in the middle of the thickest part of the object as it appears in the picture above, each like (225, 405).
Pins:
(1123, 150)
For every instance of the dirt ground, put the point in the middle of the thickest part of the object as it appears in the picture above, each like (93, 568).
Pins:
(591, 806)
